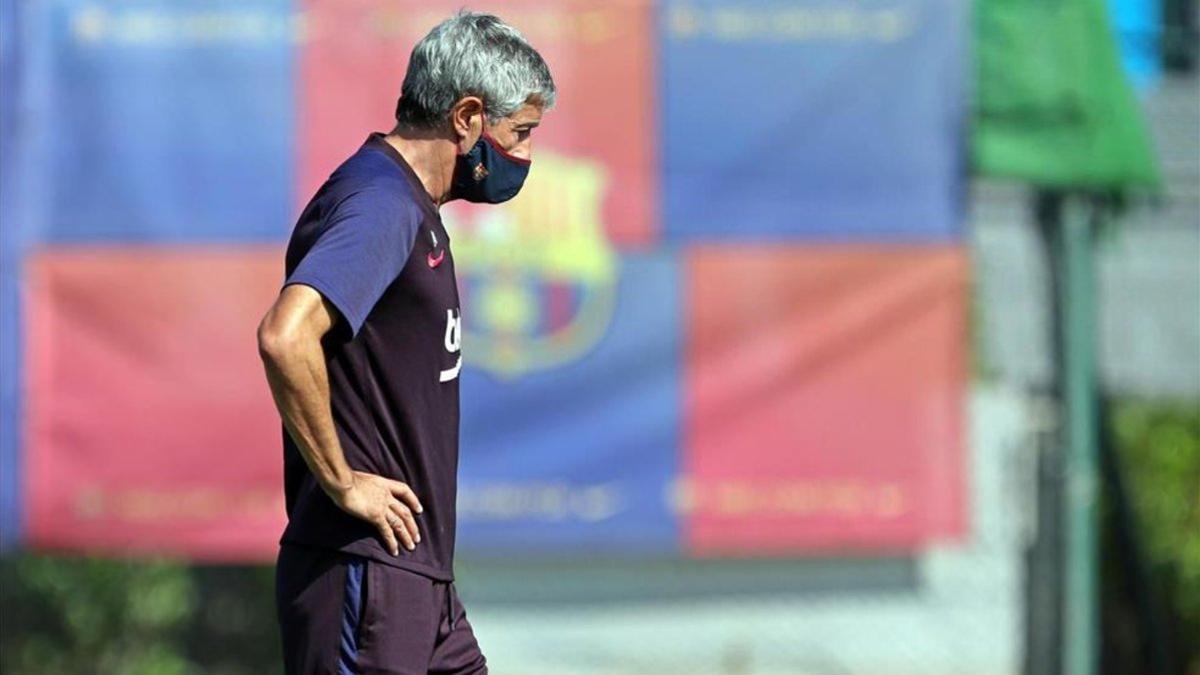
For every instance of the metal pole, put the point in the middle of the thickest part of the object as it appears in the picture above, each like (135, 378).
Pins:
(1080, 599)
(1045, 557)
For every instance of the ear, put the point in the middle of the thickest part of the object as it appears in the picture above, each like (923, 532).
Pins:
(466, 118)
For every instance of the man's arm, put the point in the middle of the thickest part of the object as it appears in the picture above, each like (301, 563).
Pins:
(289, 342)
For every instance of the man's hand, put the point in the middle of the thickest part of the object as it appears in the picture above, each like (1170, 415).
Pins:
(387, 504)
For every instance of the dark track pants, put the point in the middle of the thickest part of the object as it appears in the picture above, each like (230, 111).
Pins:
(340, 613)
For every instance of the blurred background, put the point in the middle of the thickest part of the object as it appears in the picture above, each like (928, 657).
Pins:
(826, 337)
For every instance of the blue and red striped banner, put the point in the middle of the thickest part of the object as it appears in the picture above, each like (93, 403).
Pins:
(730, 299)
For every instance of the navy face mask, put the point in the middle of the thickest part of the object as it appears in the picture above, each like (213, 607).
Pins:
(488, 174)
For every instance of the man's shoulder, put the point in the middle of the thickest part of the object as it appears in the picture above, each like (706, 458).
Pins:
(371, 171)
(368, 187)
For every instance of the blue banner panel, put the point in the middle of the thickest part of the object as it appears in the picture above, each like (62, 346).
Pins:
(166, 120)
(829, 120)
(579, 455)
(10, 263)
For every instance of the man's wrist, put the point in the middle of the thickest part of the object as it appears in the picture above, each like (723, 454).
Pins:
(337, 488)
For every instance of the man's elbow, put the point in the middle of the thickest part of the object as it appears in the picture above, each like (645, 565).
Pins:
(293, 327)
(277, 342)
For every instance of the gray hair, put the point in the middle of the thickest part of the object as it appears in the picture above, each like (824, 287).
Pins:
(472, 54)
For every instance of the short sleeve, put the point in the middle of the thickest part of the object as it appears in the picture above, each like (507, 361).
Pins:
(363, 247)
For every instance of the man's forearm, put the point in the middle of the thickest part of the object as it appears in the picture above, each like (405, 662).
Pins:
(299, 384)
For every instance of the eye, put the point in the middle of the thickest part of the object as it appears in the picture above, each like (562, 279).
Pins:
(522, 134)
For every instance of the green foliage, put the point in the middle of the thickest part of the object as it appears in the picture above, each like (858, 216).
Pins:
(84, 615)
(1159, 448)
(91, 615)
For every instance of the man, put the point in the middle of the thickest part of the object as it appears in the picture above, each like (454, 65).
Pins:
(362, 351)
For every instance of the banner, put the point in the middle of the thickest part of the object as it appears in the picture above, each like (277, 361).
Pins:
(163, 120)
(601, 54)
(150, 427)
(800, 121)
(10, 277)
(725, 316)
(581, 455)
(824, 393)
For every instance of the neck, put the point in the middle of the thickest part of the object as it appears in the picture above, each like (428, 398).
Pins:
(431, 156)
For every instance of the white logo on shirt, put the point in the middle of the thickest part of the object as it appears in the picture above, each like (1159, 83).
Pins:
(453, 343)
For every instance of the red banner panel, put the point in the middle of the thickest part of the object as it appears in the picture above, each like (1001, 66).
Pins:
(600, 52)
(150, 426)
(824, 398)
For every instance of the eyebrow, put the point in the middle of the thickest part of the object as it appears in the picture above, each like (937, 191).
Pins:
(529, 125)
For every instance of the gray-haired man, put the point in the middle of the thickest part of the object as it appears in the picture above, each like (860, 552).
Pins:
(362, 351)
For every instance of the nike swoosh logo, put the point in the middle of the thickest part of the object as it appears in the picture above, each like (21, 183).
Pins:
(434, 262)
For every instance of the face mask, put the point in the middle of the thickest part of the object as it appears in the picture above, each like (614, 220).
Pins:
(488, 174)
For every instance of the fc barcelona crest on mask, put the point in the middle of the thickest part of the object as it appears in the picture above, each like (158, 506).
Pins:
(487, 173)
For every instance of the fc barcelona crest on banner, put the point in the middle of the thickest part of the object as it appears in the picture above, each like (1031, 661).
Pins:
(538, 273)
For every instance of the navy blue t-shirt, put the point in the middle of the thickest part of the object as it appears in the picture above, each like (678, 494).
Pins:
(372, 243)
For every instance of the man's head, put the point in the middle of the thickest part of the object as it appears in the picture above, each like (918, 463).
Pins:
(473, 74)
